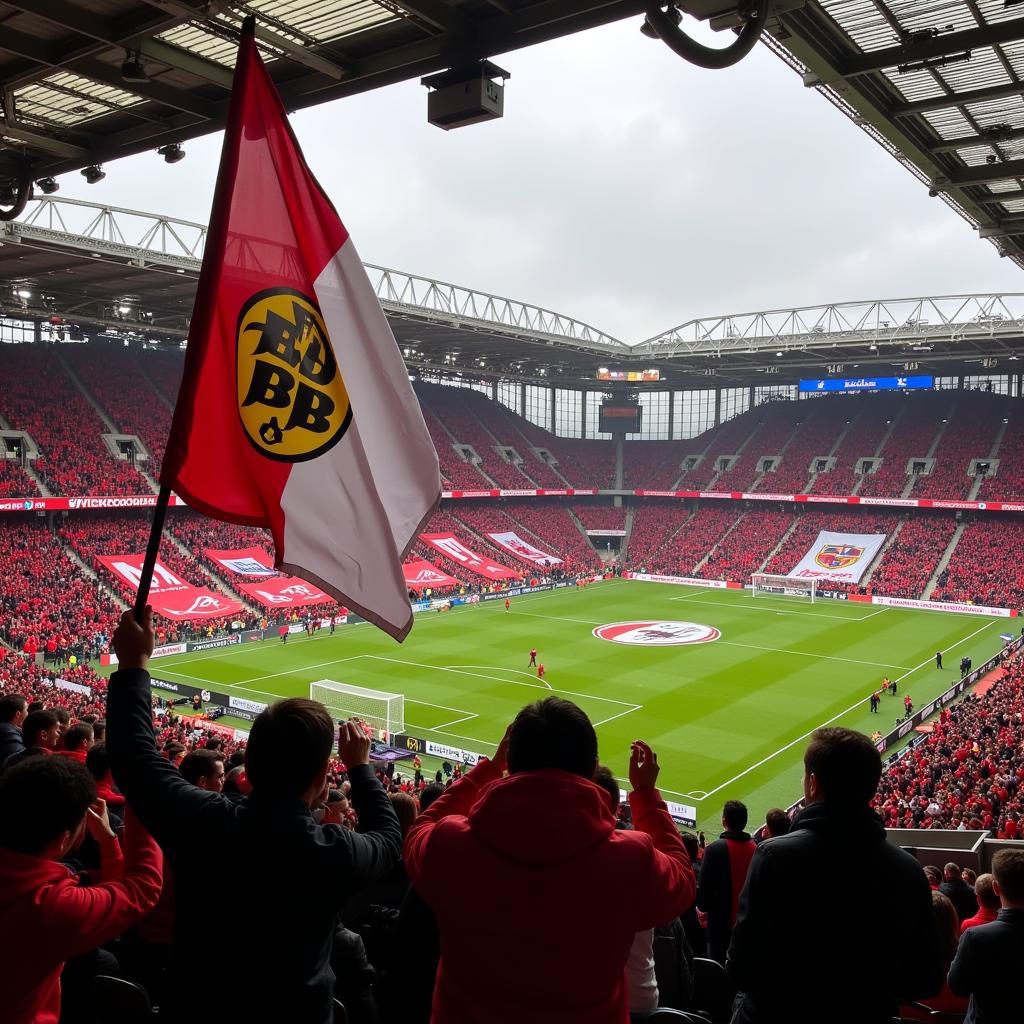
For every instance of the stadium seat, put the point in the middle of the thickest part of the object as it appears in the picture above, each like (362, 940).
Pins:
(121, 1002)
(713, 992)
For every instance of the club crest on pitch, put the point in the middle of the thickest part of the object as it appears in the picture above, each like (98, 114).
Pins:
(838, 556)
(291, 396)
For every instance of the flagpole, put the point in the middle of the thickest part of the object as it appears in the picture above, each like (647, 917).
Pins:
(155, 533)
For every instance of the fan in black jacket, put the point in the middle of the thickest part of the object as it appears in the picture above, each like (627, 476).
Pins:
(818, 900)
(286, 877)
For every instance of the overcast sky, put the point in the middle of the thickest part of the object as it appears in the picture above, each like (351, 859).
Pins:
(623, 187)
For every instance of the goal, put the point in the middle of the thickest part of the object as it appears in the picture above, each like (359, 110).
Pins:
(381, 710)
(782, 586)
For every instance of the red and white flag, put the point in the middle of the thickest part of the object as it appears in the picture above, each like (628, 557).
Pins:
(295, 411)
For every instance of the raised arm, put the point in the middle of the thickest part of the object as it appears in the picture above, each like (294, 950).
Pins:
(80, 918)
(671, 886)
(153, 787)
(457, 800)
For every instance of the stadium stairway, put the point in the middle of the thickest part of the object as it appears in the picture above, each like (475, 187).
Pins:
(890, 540)
(880, 448)
(944, 561)
(979, 481)
(782, 540)
(88, 396)
(933, 447)
(88, 571)
(583, 531)
(714, 547)
(152, 383)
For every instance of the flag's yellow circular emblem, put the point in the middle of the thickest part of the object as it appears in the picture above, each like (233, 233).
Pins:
(291, 396)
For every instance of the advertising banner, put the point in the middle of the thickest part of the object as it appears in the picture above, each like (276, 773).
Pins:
(840, 557)
(523, 549)
(284, 592)
(243, 561)
(170, 596)
(448, 544)
(420, 574)
(944, 606)
(907, 383)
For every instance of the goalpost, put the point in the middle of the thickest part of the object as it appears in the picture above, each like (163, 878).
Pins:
(782, 586)
(381, 710)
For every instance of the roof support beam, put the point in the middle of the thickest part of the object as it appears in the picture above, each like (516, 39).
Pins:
(995, 92)
(38, 140)
(970, 141)
(939, 46)
(116, 34)
(1001, 197)
(1007, 226)
(999, 171)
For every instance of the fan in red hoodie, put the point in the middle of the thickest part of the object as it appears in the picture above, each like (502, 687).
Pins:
(550, 892)
(48, 916)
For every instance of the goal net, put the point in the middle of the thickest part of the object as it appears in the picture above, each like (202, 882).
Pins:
(381, 710)
(782, 586)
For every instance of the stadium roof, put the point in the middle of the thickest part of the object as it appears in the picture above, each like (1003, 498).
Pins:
(937, 84)
(134, 272)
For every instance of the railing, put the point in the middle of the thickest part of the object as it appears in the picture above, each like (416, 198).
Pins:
(904, 321)
(148, 238)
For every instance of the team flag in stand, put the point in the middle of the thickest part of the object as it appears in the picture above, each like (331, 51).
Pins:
(295, 411)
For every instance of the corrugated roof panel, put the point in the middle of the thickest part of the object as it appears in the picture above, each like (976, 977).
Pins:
(949, 123)
(915, 85)
(863, 22)
(202, 43)
(324, 20)
(66, 99)
(983, 70)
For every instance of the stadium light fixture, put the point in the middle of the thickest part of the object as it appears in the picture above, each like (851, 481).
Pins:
(133, 70)
(23, 293)
(48, 186)
(124, 310)
(172, 153)
(93, 173)
(778, 355)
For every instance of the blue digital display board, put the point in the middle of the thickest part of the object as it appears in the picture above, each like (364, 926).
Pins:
(867, 384)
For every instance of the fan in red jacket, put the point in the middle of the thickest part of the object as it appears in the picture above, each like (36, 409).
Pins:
(537, 920)
(47, 916)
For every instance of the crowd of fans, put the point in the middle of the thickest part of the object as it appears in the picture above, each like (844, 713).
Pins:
(814, 437)
(14, 481)
(406, 897)
(132, 404)
(743, 549)
(970, 434)
(920, 421)
(46, 604)
(41, 399)
(985, 569)
(655, 526)
(968, 772)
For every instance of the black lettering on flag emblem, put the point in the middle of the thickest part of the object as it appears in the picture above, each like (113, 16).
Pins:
(291, 396)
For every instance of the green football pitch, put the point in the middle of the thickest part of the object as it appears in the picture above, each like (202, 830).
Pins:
(728, 717)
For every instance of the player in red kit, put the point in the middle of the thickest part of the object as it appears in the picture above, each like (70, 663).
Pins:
(508, 604)
(533, 658)
(540, 670)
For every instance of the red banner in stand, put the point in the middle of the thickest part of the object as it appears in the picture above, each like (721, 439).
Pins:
(420, 575)
(284, 592)
(448, 544)
(170, 596)
(252, 563)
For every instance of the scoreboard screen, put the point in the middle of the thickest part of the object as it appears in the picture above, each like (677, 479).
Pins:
(621, 418)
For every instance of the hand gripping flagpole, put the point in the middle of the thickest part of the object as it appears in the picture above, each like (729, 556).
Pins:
(155, 533)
